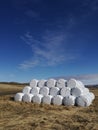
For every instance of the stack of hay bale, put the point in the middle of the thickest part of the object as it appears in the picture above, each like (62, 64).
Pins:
(57, 92)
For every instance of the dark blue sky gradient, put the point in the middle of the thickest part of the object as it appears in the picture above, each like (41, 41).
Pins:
(48, 38)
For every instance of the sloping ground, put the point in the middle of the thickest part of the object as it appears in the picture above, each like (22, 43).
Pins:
(6, 89)
(29, 116)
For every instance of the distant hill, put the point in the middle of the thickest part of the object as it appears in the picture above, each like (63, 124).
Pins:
(14, 83)
(95, 86)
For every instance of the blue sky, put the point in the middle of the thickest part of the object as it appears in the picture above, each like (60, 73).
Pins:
(48, 38)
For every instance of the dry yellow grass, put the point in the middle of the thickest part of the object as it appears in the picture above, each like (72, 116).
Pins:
(6, 88)
(29, 116)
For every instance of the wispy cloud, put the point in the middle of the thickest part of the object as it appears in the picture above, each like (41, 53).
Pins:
(50, 50)
(28, 64)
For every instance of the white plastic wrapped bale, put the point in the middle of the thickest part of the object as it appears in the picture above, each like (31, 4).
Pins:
(83, 100)
(54, 91)
(41, 83)
(92, 95)
(80, 83)
(69, 101)
(85, 90)
(51, 83)
(44, 91)
(38, 98)
(76, 92)
(26, 89)
(61, 83)
(35, 90)
(72, 83)
(18, 96)
(47, 99)
(65, 91)
(33, 83)
(27, 97)
(57, 100)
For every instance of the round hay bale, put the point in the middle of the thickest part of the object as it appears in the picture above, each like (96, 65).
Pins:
(76, 92)
(44, 91)
(47, 99)
(27, 97)
(18, 97)
(26, 89)
(54, 91)
(80, 84)
(35, 90)
(41, 83)
(69, 100)
(61, 83)
(65, 91)
(83, 101)
(85, 90)
(38, 98)
(57, 100)
(72, 83)
(92, 95)
(33, 83)
(50, 83)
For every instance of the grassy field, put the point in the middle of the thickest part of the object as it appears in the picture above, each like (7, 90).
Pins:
(6, 88)
(30, 116)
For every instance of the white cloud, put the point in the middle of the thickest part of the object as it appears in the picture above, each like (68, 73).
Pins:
(50, 50)
(28, 64)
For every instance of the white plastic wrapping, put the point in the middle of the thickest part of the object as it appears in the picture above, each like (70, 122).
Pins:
(51, 83)
(80, 84)
(85, 90)
(47, 99)
(92, 95)
(65, 91)
(69, 100)
(61, 83)
(44, 91)
(72, 83)
(33, 83)
(57, 100)
(54, 91)
(26, 89)
(41, 83)
(27, 97)
(18, 96)
(38, 98)
(76, 92)
(83, 100)
(35, 90)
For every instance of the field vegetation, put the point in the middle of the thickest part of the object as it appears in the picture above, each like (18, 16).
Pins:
(30, 116)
